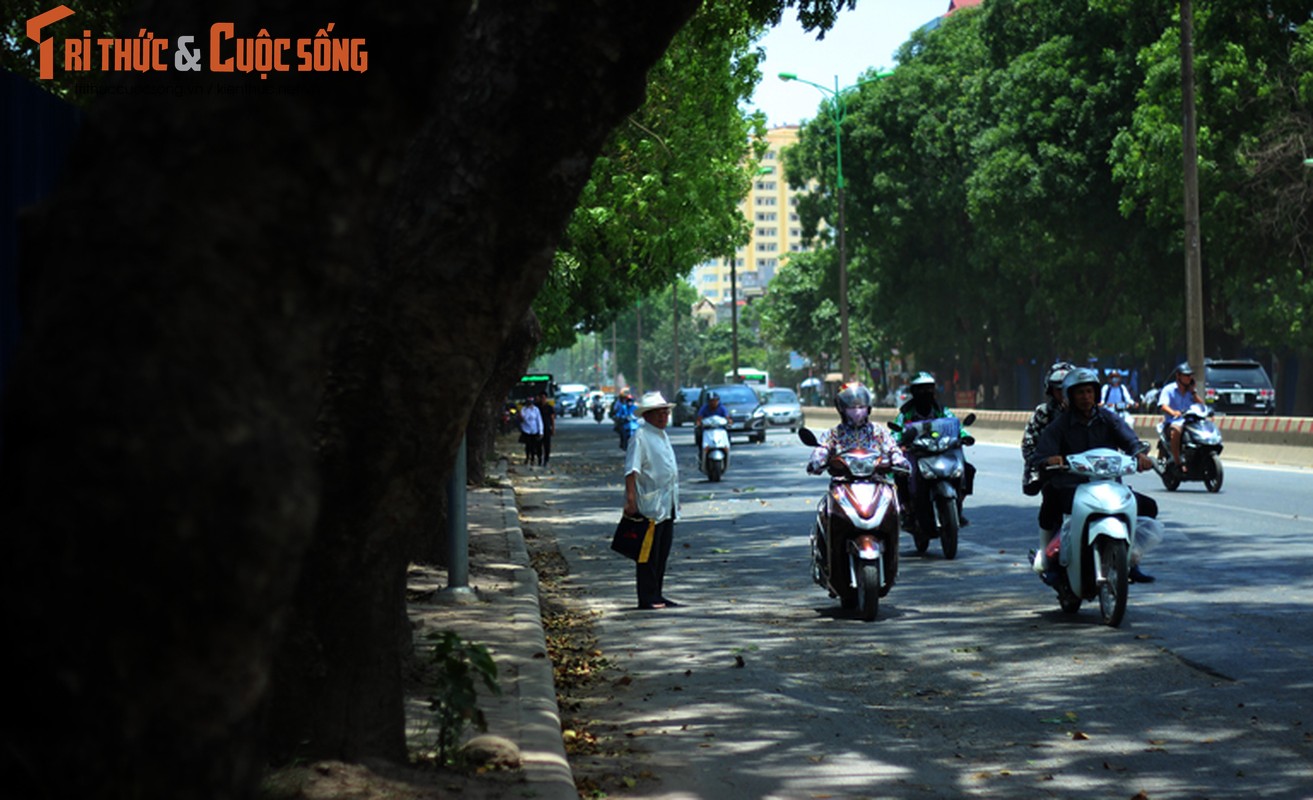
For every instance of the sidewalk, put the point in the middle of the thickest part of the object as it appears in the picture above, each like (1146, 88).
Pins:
(500, 611)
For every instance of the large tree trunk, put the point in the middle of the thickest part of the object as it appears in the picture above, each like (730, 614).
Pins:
(485, 418)
(249, 319)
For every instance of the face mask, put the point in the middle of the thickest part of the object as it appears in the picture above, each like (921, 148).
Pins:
(856, 416)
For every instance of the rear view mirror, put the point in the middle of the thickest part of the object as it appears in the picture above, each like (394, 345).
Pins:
(808, 438)
(970, 418)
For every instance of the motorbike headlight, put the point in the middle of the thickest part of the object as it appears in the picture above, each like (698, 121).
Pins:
(956, 474)
(926, 470)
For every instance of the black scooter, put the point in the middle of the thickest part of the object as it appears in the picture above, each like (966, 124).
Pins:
(935, 449)
(1201, 451)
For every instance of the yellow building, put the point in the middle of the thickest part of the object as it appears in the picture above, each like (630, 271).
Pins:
(771, 208)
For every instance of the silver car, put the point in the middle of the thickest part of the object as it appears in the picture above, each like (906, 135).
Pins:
(782, 409)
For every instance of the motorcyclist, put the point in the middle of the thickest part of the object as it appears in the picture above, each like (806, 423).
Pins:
(1174, 401)
(1054, 401)
(921, 407)
(625, 416)
(1114, 394)
(855, 431)
(1083, 425)
(711, 408)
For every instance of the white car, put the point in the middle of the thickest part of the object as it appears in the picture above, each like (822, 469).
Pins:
(782, 409)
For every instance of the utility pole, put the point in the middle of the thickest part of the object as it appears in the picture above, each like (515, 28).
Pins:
(674, 303)
(1194, 288)
(615, 364)
(734, 316)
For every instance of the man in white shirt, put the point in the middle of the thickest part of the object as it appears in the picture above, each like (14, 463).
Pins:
(652, 489)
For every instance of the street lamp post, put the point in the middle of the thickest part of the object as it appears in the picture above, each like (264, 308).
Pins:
(838, 111)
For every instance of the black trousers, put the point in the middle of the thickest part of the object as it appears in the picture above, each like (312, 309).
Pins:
(1057, 501)
(652, 574)
(545, 450)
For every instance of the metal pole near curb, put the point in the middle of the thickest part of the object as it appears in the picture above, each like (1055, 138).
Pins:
(458, 533)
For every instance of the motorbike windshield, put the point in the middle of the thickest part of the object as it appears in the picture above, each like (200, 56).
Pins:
(938, 435)
(1101, 463)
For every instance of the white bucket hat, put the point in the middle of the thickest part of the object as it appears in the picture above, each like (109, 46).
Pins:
(652, 401)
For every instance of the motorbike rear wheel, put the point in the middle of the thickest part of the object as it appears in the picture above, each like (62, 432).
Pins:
(1213, 473)
(948, 525)
(868, 590)
(1116, 570)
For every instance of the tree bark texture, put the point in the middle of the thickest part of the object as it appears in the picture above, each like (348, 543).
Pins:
(252, 322)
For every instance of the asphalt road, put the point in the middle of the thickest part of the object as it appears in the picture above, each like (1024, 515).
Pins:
(971, 683)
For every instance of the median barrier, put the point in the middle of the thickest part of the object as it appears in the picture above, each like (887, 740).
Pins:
(1274, 440)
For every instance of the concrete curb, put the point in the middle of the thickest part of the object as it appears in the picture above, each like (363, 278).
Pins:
(542, 750)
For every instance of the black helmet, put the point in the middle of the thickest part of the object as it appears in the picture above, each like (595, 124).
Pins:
(712, 396)
(853, 402)
(1184, 368)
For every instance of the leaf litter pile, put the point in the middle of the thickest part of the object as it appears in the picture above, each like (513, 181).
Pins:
(599, 754)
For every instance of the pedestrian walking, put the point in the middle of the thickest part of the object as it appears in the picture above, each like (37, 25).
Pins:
(652, 489)
(548, 413)
(531, 432)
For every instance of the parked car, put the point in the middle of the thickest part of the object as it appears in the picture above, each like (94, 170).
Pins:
(1231, 386)
(686, 405)
(782, 409)
(745, 413)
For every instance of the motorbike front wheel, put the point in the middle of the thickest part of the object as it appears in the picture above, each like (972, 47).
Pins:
(1213, 473)
(715, 468)
(1112, 592)
(924, 517)
(948, 525)
(868, 590)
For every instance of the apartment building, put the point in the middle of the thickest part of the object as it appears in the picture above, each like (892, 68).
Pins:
(770, 208)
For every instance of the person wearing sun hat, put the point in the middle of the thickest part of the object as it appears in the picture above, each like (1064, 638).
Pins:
(652, 489)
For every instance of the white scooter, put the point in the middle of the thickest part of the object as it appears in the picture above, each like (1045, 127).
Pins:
(1090, 556)
(713, 456)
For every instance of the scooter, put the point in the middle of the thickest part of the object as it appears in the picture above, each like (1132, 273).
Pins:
(713, 455)
(854, 541)
(935, 449)
(598, 411)
(1090, 556)
(1201, 451)
(1123, 410)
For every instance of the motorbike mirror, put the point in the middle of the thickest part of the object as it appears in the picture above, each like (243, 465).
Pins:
(968, 419)
(895, 427)
(808, 438)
